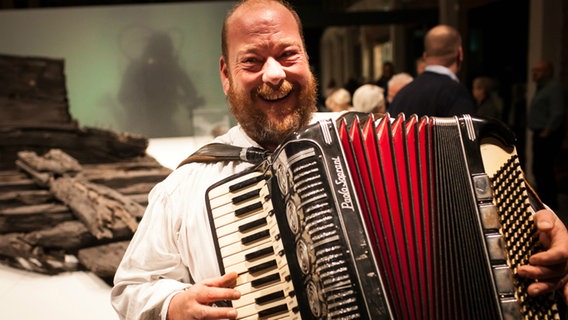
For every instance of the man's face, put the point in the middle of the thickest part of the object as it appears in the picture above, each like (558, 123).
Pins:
(266, 75)
(539, 72)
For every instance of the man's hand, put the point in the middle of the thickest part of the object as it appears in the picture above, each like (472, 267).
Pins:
(550, 267)
(196, 302)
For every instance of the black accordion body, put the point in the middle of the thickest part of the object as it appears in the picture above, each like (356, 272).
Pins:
(382, 218)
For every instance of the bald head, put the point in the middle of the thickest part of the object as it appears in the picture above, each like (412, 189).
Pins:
(443, 46)
(244, 6)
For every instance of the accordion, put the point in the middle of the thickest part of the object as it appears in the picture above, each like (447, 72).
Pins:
(367, 217)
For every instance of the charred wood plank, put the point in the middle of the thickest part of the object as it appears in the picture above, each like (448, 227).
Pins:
(71, 236)
(136, 189)
(15, 251)
(87, 145)
(68, 235)
(100, 208)
(33, 217)
(121, 179)
(52, 164)
(53, 250)
(55, 161)
(31, 77)
(16, 112)
(17, 185)
(24, 197)
(141, 199)
(141, 162)
(103, 260)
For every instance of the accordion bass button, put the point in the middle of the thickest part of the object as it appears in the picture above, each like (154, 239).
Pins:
(510, 309)
(503, 280)
(495, 247)
(489, 216)
(482, 187)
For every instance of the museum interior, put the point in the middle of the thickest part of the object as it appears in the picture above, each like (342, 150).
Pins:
(71, 100)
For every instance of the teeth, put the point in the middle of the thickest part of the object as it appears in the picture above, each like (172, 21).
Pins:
(275, 95)
(270, 94)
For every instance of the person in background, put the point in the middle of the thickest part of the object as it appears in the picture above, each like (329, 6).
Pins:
(338, 100)
(546, 121)
(488, 102)
(387, 73)
(369, 98)
(331, 86)
(170, 269)
(397, 82)
(420, 65)
(437, 91)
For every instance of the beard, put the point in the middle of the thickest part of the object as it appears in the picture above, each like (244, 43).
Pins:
(268, 132)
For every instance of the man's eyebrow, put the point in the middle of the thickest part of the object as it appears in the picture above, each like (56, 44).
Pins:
(280, 45)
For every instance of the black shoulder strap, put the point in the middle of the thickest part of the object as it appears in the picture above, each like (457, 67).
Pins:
(214, 152)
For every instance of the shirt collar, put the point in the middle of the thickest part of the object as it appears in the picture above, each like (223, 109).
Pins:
(442, 70)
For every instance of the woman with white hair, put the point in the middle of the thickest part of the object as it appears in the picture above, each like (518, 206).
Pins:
(397, 82)
(369, 98)
(338, 100)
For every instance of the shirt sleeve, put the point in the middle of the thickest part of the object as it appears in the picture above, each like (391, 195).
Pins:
(151, 270)
(173, 245)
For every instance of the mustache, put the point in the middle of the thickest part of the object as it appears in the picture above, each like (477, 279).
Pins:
(266, 90)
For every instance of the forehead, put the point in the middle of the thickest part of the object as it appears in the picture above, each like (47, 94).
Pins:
(262, 24)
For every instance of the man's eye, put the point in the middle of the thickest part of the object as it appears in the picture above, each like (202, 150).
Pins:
(288, 54)
(250, 60)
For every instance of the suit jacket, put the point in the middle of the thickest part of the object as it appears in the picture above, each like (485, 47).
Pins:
(433, 94)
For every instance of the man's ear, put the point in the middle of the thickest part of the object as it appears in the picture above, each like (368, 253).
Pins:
(224, 74)
(460, 54)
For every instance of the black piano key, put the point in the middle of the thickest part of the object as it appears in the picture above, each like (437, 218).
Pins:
(252, 224)
(262, 266)
(259, 253)
(264, 280)
(245, 196)
(245, 183)
(273, 310)
(248, 209)
(257, 236)
(269, 297)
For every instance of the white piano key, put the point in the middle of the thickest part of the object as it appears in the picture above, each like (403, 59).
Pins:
(238, 247)
(223, 189)
(223, 205)
(239, 256)
(251, 296)
(243, 267)
(275, 317)
(235, 235)
(226, 226)
(254, 309)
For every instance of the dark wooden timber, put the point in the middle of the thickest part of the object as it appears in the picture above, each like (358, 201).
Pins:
(70, 197)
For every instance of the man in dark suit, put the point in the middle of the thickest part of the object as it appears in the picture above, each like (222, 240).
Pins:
(437, 91)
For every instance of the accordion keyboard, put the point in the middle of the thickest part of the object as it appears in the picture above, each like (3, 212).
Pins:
(249, 244)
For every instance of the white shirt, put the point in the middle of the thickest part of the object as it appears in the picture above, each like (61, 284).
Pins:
(174, 239)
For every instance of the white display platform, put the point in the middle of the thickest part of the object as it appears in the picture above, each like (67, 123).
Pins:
(73, 295)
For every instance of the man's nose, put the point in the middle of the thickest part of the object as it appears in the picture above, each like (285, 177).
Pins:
(273, 72)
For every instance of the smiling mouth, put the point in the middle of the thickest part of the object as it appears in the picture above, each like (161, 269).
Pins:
(275, 96)
(269, 94)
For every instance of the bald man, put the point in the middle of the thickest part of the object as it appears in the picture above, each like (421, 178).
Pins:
(437, 91)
